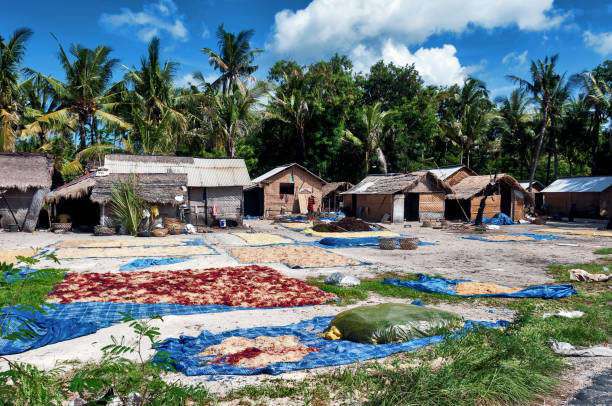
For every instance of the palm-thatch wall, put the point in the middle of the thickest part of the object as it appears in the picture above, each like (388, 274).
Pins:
(25, 180)
(509, 197)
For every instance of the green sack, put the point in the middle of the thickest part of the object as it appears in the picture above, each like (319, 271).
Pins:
(390, 323)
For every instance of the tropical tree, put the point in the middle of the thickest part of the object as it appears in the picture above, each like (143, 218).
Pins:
(542, 84)
(11, 56)
(39, 99)
(234, 59)
(374, 122)
(83, 96)
(230, 117)
(516, 118)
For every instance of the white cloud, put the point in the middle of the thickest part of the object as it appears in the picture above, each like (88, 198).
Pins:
(341, 25)
(205, 32)
(154, 20)
(601, 43)
(437, 66)
(515, 59)
(188, 79)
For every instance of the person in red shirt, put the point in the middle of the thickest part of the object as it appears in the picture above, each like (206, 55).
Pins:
(311, 202)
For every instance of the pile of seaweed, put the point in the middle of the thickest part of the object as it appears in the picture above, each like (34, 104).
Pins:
(344, 225)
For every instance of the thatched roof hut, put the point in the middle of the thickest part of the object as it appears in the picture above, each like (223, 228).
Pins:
(334, 186)
(24, 181)
(160, 188)
(509, 197)
(24, 171)
(407, 196)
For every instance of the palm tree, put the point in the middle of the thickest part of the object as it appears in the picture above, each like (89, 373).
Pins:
(230, 117)
(516, 118)
(39, 99)
(234, 59)
(83, 96)
(11, 56)
(543, 82)
(599, 98)
(374, 121)
(289, 106)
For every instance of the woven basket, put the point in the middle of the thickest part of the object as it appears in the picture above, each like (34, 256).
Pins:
(175, 230)
(408, 243)
(103, 230)
(386, 243)
(170, 221)
(61, 226)
(427, 223)
(541, 220)
(160, 232)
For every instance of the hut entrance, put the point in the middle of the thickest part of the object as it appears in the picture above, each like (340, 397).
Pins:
(506, 200)
(254, 202)
(457, 209)
(353, 206)
(83, 213)
(411, 207)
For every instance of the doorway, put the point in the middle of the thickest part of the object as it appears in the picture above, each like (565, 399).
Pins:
(411, 207)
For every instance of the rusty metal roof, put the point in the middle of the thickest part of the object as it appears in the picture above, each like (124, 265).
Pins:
(201, 172)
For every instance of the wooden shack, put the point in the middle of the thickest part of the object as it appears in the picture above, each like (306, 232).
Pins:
(398, 197)
(25, 180)
(509, 198)
(215, 186)
(591, 196)
(283, 190)
(452, 174)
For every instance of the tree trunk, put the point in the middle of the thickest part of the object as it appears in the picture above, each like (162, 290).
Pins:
(303, 141)
(83, 142)
(381, 159)
(595, 135)
(556, 157)
(489, 190)
(367, 162)
(468, 155)
(538, 148)
(610, 143)
(94, 124)
(29, 224)
(548, 164)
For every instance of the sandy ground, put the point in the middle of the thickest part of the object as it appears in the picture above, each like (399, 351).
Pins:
(517, 264)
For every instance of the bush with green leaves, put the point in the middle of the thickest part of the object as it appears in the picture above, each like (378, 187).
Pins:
(127, 205)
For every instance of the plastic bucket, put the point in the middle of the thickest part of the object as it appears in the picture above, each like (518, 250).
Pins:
(222, 223)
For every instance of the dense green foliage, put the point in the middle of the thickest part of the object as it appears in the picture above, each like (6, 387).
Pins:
(339, 123)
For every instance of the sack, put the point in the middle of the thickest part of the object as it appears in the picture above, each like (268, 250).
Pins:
(390, 323)
(340, 279)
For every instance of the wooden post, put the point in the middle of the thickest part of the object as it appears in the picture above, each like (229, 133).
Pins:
(102, 214)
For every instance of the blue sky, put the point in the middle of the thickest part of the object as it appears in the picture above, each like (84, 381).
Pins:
(446, 39)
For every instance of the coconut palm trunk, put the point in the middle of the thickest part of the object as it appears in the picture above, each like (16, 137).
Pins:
(538, 151)
(31, 218)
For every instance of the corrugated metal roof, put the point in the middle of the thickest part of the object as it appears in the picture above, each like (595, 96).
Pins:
(201, 172)
(279, 169)
(443, 173)
(536, 184)
(582, 184)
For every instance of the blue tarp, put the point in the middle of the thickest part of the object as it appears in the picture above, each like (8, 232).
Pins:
(247, 217)
(447, 287)
(499, 219)
(339, 352)
(336, 242)
(142, 263)
(536, 237)
(71, 320)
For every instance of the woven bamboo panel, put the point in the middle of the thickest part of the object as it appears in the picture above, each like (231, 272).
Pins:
(518, 211)
(492, 206)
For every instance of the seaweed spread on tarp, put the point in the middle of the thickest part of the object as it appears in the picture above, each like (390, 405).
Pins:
(184, 349)
(447, 287)
(337, 242)
(65, 321)
(142, 263)
(518, 237)
(499, 219)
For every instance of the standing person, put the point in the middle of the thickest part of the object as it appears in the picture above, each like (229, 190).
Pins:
(311, 202)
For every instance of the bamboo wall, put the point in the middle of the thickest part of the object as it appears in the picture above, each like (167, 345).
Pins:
(587, 204)
(431, 205)
(19, 202)
(274, 204)
(457, 177)
(374, 206)
(492, 206)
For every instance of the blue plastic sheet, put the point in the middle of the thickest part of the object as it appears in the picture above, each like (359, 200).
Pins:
(71, 320)
(248, 217)
(499, 219)
(447, 287)
(339, 352)
(337, 242)
(536, 237)
(142, 263)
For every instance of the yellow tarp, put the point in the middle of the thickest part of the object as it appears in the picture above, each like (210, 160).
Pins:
(505, 237)
(593, 233)
(73, 253)
(296, 226)
(291, 255)
(350, 234)
(9, 255)
(263, 238)
(118, 243)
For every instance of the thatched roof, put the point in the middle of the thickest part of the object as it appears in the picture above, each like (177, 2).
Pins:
(394, 183)
(475, 185)
(159, 188)
(333, 186)
(72, 190)
(23, 170)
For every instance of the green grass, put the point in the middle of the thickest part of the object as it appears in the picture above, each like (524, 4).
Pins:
(604, 251)
(35, 290)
